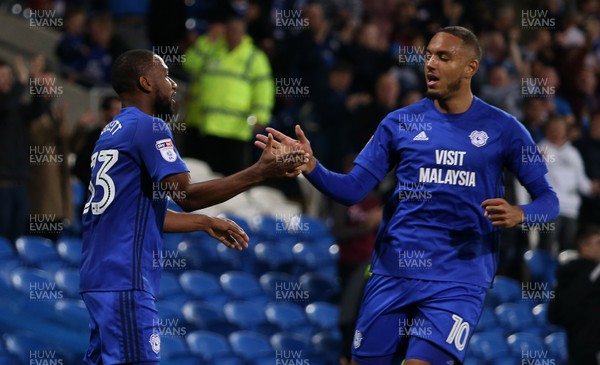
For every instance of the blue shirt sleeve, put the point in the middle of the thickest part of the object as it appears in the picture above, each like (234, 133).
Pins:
(378, 155)
(544, 206)
(346, 189)
(523, 157)
(157, 150)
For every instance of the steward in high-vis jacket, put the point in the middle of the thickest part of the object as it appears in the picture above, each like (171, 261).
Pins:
(231, 96)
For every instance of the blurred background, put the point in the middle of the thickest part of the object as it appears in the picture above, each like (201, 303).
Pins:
(337, 68)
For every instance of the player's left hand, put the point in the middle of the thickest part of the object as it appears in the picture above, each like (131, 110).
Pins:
(228, 232)
(501, 213)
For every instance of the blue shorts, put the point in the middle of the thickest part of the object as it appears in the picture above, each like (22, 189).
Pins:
(418, 319)
(124, 327)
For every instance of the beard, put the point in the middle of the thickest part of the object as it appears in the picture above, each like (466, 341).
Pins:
(164, 106)
(439, 95)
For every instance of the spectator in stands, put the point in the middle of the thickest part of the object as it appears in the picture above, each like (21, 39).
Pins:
(567, 175)
(535, 114)
(369, 54)
(577, 299)
(231, 97)
(71, 50)
(87, 133)
(104, 47)
(14, 164)
(49, 186)
(130, 21)
(589, 147)
(502, 91)
(366, 118)
(312, 53)
(332, 115)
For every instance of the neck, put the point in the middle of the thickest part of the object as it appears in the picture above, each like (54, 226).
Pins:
(142, 104)
(455, 105)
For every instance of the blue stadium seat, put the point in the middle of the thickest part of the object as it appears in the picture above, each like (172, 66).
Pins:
(274, 283)
(6, 249)
(67, 280)
(22, 344)
(507, 360)
(205, 286)
(487, 320)
(522, 343)
(172, 346)
(8, 359)
(542, 266)
(488, 345)
(69, 249)
(169, 309)
(72, 313)
(290, 341)
(515, 317)
(473, 360)
(202, 314)
(557, 344)
(504, 290)
(267, 226)
(320, 287)
(327, 345)
(235, 260)
(271, 256)
(242, 286)
(23, 278)
(247, 315)
(209, 345)
(250, 345)
(171, 290)
(228, 360)
(171, 240)
(289, 317)
(208, 317)
(319, 256)
(323, 315)
(200, 252)
(309, 228)
(38, 252)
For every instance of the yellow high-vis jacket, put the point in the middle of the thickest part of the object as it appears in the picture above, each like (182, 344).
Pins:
(230, 91)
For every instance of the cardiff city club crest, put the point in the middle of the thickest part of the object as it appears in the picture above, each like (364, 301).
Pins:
(357, 339)
(155, 342)
(478, 138)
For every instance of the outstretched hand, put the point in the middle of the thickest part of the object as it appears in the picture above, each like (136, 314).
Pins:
(501, 213)
(283, 145)
(228, 232)
(279, 162)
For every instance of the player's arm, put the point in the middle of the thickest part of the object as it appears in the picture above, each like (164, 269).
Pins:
(346, 189)
(222, 229)
(543, 207)
(193, 196)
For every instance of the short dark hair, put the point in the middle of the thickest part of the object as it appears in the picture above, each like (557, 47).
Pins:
(469, 39)
(129, 67)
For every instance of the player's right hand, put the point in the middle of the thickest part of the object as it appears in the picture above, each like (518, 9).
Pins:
(284, 143)
(278, 160)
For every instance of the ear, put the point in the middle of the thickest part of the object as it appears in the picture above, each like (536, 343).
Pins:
(144, 84)
(471, 68)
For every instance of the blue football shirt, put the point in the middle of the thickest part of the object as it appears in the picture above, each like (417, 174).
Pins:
(433, 227)
(124, 216)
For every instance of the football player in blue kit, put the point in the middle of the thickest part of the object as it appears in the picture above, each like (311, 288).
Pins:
(437, 246)
(135, 166)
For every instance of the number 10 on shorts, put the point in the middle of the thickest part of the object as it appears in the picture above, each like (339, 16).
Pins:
(459, 333)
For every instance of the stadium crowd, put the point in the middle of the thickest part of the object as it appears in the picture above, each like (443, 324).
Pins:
(336, 67)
